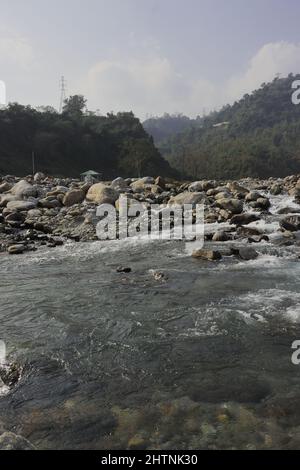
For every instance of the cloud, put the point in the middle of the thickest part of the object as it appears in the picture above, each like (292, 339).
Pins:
(152, 85)
(145, 86)
(15, 50)
(272, 59)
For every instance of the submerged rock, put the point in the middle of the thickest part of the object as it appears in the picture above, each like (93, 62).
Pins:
(246, 253)
(122, 269)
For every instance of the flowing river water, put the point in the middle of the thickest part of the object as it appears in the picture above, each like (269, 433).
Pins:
(199, 358)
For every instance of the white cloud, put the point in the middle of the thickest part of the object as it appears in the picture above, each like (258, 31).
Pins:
(144, 86)
(151, 85)
(272, 59)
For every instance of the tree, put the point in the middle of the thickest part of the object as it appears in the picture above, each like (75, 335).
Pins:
(75, 106)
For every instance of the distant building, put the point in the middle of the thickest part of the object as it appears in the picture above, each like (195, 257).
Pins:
(91, 176)
(222, 124)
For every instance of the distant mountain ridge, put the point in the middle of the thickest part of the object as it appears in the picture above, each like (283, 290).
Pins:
(258, 135)
(161, 128)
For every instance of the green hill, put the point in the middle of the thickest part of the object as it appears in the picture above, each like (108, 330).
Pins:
(256, 136)
(69, 143)
(166, 126)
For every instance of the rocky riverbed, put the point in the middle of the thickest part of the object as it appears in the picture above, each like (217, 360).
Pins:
(38, 211)
(135, 344)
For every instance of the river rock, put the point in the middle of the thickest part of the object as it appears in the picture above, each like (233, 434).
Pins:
(220, 236)
(75, 196)
(262, 203)
(6, 198)
(252, 196)
(38, 177)
(244, 219)
(101, 194)
(248, 231)
(23, 190)
(142, 183)
(15, 219)
(235, 187)
(247, 253)
(291, 223)
(196, 187)
(160, 182)
(49, 202)
(16, 249)
(209, 255)
(57, 190)
(21, 205)
(11, 441)
(4, 187)
(187, 198)
(235, 206)
(276, 189)
(122, 269)
(119, 183)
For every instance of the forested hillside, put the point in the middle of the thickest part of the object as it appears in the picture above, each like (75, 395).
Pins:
(74, 141)
(161, 128)
(256, 136)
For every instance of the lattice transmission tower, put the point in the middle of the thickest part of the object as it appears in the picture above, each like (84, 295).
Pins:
(63, 89)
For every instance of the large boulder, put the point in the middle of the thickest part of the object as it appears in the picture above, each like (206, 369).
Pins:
(235, 206)
(23, 190)
(101, 194)
(187, 198)
(75, 196)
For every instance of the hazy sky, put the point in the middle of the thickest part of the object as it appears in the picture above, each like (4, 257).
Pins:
(149, 56)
